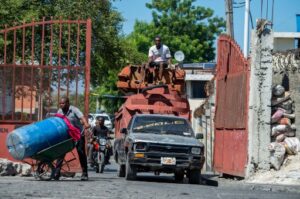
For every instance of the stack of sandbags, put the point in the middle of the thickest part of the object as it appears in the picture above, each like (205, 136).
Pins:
(283, 127)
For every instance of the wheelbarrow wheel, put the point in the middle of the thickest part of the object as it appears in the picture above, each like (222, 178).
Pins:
(44, 171)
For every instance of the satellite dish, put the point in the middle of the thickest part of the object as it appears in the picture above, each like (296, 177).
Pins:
(179, 56)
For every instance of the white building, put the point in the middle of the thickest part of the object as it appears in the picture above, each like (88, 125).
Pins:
(197, 75)
(286, 41)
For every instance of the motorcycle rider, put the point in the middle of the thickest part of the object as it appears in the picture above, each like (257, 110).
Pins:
(101, 131)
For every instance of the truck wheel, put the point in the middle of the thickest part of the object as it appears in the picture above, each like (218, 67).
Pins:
(130, 170)
(194, 177)
(121, 172)
(179, 176)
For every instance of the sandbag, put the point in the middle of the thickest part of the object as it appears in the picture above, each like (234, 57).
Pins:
(292, 145)
(280, 138)
(277, 115)
(279, 129)
(278, 90)
(287, 106)
(284, 121)
(290, 133)
(277, 151)
(290, 116)
(277, 101)
(28, 140)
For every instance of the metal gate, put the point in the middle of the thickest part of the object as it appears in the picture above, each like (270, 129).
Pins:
(231, 130)
(39, 63)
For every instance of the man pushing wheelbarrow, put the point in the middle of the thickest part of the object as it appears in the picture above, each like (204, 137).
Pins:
(49, 140)
(76, 118)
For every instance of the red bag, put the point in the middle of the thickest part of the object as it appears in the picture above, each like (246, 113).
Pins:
(72, 130)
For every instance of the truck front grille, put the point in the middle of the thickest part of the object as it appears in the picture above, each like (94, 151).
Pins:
(168, 148)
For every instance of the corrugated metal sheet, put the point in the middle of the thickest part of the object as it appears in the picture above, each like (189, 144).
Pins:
(231, 132)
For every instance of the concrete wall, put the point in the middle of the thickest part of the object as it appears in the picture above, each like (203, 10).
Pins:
(259, 102)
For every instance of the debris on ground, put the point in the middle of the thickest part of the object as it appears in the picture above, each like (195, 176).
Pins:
(9, 168)
(289, 173)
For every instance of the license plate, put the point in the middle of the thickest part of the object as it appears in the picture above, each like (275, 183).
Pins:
(168, 161)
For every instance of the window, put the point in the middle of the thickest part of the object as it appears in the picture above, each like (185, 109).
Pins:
(198, 89)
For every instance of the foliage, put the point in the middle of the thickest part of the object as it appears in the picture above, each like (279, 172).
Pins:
(107, 44)
(182, 26)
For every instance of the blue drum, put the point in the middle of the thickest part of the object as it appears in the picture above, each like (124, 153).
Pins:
(28, 140)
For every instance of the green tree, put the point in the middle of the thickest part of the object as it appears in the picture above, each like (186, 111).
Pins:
(107, 44)
(182, 26)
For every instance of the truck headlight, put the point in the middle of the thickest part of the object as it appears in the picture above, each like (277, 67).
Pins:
(196, 150)
(140, 146)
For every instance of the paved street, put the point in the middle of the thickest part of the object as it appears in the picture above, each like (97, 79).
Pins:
(108, 185)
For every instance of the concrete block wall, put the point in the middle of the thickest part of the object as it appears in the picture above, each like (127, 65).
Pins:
(259, 102)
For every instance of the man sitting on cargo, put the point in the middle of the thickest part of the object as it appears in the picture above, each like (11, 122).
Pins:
(159, 56)
(76, 118)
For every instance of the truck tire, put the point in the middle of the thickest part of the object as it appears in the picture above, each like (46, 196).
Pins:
(194, 176)
(121, 172)
(130, 173)
(179, 176)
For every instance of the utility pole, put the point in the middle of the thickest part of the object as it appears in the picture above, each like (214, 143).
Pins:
(229, 18)
(246, 29)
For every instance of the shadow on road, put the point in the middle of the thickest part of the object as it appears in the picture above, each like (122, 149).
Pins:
(205, 180)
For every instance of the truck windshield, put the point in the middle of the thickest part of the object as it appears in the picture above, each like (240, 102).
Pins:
(162, 125)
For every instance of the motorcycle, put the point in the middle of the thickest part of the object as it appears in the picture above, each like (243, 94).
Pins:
(100, 153)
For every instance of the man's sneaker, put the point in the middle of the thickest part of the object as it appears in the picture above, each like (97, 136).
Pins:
(84, 177)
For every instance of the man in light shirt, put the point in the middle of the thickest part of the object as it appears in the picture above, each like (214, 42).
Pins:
(159, 56)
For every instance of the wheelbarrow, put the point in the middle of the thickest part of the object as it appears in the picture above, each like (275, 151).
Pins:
(44, 167)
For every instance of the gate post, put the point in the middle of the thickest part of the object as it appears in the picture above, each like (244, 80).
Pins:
(87, 65)
(260, 102)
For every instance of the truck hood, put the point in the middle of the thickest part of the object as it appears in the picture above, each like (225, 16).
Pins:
(165, 139)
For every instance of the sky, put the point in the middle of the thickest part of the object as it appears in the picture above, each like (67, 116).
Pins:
(284, 13)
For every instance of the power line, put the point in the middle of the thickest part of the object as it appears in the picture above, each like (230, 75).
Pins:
(251, 19)
(272, 13)
(267, 12)
(261, 7)
(239, 4)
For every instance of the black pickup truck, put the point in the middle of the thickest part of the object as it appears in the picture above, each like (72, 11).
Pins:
(159, 143)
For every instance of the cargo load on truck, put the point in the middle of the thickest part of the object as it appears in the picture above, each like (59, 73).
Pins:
(161, 99)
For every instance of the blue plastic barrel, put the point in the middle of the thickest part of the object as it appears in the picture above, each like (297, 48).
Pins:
(28, 140)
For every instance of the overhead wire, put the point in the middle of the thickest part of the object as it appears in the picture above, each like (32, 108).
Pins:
(261, 7)
(251, 19)
(272, 14)
(240, 4)
(267, 12)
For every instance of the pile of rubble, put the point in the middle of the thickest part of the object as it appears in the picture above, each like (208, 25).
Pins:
(9, 168)
(289, 173)
(283, 133)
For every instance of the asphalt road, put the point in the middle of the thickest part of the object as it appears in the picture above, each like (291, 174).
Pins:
(108, 185)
